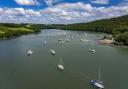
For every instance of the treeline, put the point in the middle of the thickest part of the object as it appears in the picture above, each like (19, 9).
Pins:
(118, 27)
(10, 30)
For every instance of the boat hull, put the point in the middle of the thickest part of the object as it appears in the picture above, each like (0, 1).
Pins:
(61, 67)
(97, 84)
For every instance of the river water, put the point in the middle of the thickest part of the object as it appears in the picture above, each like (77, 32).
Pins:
(39, 71)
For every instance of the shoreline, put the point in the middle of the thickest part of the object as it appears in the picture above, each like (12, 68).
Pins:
(110, 43)
(106, 41)
(12, 37)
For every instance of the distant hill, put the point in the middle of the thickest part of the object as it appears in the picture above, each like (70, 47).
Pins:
(104, 25)
(118, 27)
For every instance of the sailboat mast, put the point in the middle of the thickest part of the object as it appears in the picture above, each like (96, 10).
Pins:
(61, 60)
(99, 74)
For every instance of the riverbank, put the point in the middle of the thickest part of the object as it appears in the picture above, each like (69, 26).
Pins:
(106, 41)
(110, 42)
(10, 30)
(8, 33)
(117, 27)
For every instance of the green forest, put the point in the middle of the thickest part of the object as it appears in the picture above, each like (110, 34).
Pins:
(11, 30)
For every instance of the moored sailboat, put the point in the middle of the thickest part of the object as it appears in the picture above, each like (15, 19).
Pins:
(52, 51)
(97, 83)
(30, 52)
(60, 65)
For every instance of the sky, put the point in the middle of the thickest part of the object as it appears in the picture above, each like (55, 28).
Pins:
(60, 11)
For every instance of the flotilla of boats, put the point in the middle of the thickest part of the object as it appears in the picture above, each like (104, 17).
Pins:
(97, 83)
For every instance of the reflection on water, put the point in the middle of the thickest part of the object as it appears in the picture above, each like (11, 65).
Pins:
(39, 71)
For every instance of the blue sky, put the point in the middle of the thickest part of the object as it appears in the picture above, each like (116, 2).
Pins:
(60, 11)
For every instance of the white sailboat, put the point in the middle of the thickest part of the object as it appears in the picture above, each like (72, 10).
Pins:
(60, 65)
(59, 39)
(92, 50)
(97, 83)
(45, 42)
(30, 52)
(52, 51)
(67, 40)
(84, 40)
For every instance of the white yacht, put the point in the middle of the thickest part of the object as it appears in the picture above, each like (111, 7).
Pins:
(52, 51)
(97, 83)
(84, 40)
(60, 65)
(30, 52)
(92, 50)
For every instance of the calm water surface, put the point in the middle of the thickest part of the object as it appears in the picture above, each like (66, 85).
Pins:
(39, 71)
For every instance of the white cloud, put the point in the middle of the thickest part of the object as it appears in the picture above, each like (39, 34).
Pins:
(1, 9)
(62, 13)
(82, 12)
(19, 12)
(70, 12)
(66, 9)
(51, 2)
(27, 2)
(100, 1)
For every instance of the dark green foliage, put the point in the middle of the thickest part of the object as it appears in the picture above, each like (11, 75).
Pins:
(104, 25)
(122, 38)
(118, 27)
(9, 30)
